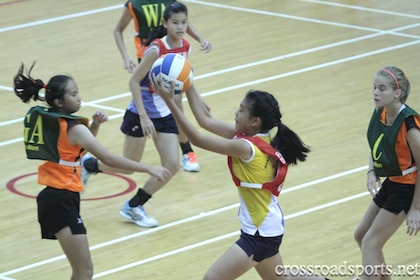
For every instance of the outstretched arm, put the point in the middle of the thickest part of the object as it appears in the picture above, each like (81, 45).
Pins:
(231, 147)
(204, 118)
(205, 45)
(119, 40)
(80, 134)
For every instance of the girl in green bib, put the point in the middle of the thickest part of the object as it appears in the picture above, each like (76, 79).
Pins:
(394, 140)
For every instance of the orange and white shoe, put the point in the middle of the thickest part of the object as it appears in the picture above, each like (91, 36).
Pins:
(189, 162)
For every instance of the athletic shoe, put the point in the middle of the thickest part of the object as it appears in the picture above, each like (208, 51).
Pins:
(138, 216)
(189, 162)
(84, 173)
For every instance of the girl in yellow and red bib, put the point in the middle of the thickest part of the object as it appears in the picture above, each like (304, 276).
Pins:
(258, 165)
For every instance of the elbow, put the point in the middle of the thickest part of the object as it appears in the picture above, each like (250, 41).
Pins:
(133, 81)
(132, 85)
(108, 161)
(203, 123)
(196, 140)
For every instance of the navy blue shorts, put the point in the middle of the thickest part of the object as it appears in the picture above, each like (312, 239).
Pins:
(395, 197)
(58, 209)
(131, 124)
(258, 246)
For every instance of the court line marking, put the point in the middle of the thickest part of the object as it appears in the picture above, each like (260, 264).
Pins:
(196, 1)
(291, 73)
(111, 8)
(222, 237)
(60, 18)
(200, 216)
(95, 105)
(286, 16)
(361, 8)
(231, 69)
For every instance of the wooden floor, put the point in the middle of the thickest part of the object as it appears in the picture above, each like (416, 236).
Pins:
(317, 57)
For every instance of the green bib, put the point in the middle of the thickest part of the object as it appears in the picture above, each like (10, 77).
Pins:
(382, 141)
(42, 132)
(149, 14)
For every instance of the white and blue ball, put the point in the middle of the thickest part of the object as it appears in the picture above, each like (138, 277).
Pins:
(173, 67)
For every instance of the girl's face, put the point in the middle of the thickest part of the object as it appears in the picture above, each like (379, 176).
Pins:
(176, 25)
(383, 92)
(72, 100)
(243, 119)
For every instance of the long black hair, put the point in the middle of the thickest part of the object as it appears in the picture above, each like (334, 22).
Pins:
(27, 88)
(264, 106)
(160, 31)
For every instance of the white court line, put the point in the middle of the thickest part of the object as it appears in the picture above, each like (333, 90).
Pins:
(307, 19)
(225, 236)
(290, 216)
(190, 219)
(260, 62)
(319, 66)
(94, 103)
(6, 88)
(361, 8)
(106, 9)
(6, 278)
(50, 20)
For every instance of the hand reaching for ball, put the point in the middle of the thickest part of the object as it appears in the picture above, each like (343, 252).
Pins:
(167, 94)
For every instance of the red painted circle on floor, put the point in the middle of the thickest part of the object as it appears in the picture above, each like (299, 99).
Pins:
(131, 186)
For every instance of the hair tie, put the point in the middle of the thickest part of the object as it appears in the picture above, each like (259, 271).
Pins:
(392, 75)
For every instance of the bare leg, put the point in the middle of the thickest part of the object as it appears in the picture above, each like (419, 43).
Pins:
(76, 249)
(383, 227)
(268, 269)
(167, 146)
(366, 223)
(232, 264)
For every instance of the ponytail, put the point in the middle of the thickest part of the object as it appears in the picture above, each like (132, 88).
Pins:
(157, 32)
(27, 88)
(264, 106)
(289, 144)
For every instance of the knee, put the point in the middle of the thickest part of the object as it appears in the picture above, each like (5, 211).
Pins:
(358, 236)
(370, 244)
(173, 167)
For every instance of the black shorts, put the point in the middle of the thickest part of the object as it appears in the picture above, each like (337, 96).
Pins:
(395, 197)
(258, 246)
(58, 209)
(131, 124)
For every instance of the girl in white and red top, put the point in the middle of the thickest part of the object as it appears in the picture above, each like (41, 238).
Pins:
(147, 115)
